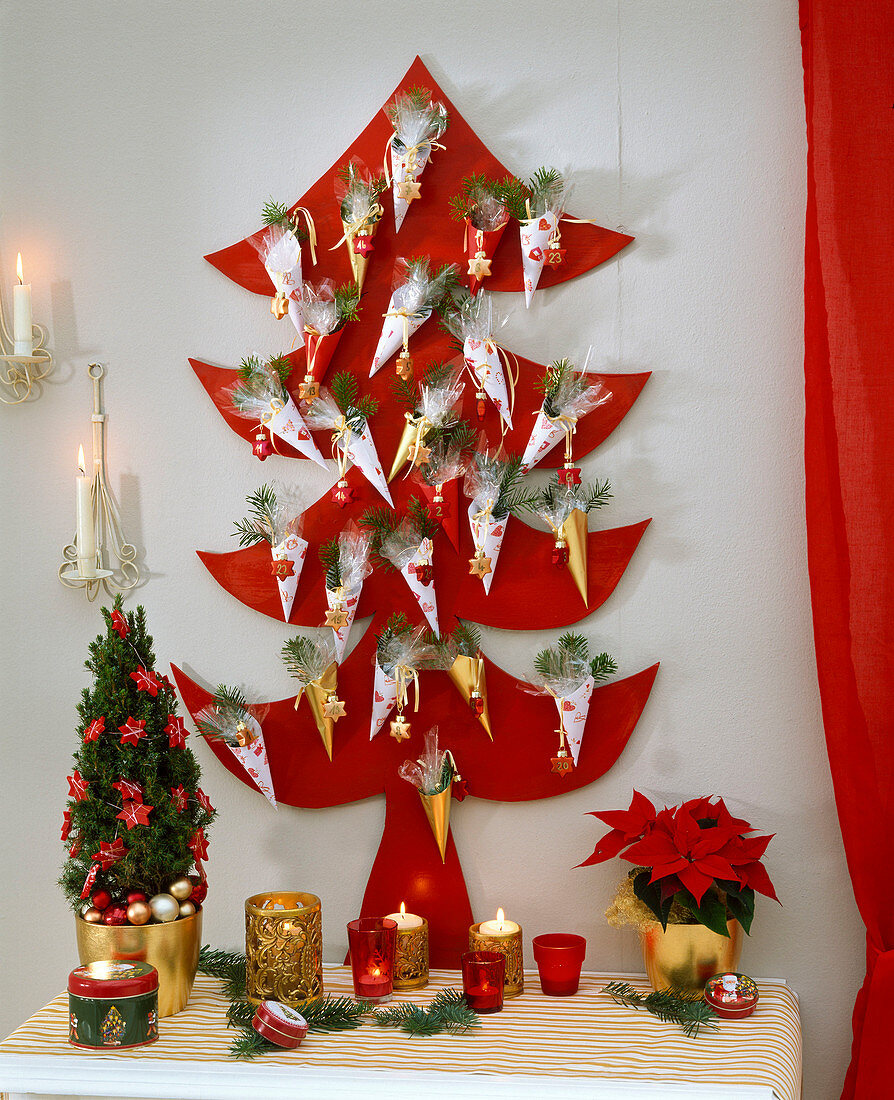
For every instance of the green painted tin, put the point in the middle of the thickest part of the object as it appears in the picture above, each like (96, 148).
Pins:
(113, 1005)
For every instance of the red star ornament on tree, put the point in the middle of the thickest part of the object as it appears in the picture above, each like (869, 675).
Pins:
(129, 791)
(96, 727)
(77, 786)
(146, 680)
(119, 624)
(109, 854)
(135, 813)
(199, 846)
(204, 801)
(176, 731)
(132, 730)
(66, 825)
(179, 798)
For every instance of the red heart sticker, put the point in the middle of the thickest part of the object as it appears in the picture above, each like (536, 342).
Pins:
(544, 224)
(535, 254)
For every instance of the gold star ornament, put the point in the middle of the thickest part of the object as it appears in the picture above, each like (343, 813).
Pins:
(480, 566)
(337, 618)
(409, 189)
(400, 729)
(334, 708)
(479, 266)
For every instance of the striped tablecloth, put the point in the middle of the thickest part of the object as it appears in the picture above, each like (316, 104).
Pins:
(585, 1036)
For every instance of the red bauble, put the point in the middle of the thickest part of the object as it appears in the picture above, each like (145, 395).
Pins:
(102, 899)
(199, 889)
(569, 475)
(425, 573)
(560, 556)
(115, 914)
(262, 448)
(480, 405)
(135, 896)
(342, 494)
(476, 702)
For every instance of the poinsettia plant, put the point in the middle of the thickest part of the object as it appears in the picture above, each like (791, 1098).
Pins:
(693, 864)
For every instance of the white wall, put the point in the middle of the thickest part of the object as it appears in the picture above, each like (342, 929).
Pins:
(139, 136)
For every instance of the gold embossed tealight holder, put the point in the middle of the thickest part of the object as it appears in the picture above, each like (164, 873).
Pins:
(508, 944)
(411, 957)
(284, 948)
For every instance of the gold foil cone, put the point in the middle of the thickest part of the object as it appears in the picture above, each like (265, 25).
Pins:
(359, 263)
(316, 695)
(172, 948)
(686, 955)
(402, 457)
(437, 810)
(467, 673)
(574, 531)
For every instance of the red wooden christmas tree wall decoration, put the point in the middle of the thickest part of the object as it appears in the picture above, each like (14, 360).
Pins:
(526, 592)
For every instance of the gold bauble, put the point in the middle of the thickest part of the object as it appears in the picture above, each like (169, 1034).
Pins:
(164, 907)
(187, 909)
(92, 915)
(180, 888)
(138, 912)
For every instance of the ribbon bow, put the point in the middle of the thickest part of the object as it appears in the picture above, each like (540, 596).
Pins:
(404, 675)
(365, 221)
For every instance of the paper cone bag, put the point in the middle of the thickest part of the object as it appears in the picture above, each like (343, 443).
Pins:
(490, 544)
(467, 674)
(283, 264)
(535, 235)
(437, 810)
(349, 605)
(384, 699)
(362, 452)
(392, 336)
(288, 425)
(253, 759)
(316, 695)
(574, 531)
(544, 436)
(294, 550)
(574, 709)
(483, 360)
(424, 593)
(399, 174)
(296, 313)
(489, 239)
(320, 350)
(402, 455)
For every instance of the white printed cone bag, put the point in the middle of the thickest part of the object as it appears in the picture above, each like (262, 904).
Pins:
(282, 263)
(287, 424)
(424, 593)
(573, 710)
(487, 535)
(348, 604)
(384, 699)
(392, 336)
(545, 435)
(292, 550)
(535, 235)
(361, 450)
(399, 173)
(483, 360)
(253, 759)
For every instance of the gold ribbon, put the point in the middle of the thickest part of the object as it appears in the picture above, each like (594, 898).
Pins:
(409, 156)
(560, 703)
(366, 222)
(405, 314)
(311, 231)
(342, 431)
(403, 677)
(276, 406)
(569, 425)
(421, 425)
(483, 516)
(506, 357)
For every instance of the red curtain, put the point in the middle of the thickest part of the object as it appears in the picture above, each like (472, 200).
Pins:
(848, 54)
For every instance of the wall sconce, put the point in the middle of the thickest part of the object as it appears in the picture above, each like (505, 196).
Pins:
(99, 525)
(28, 362)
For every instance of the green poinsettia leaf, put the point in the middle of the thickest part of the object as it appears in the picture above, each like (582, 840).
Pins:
(740, 902)
(711, 913)
(649, 893)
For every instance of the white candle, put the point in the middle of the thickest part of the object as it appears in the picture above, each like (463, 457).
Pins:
(498, 927)
(21, 314)
(86, 531)
(404, 919)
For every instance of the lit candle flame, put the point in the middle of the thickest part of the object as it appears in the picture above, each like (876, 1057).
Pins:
(82, 466)
(19, 269)
(403, 909)
(501, 916)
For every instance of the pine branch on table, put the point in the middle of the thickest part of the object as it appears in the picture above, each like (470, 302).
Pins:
(690, 1011)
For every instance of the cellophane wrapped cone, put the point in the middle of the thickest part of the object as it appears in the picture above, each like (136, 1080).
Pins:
(415, 294)
(405, 550)
(572, 689)
(485, 223)
(546, 205)
(357, 194)
(317, 676)
(434, 771)
(263, 398)
(354, 567)
(351, 436)
(436, 409)
(220, 724)
(577, 395)
(406, 650)
(475, 324)
(487, 521)
(280, 253)
(417, 124)
(291, 548)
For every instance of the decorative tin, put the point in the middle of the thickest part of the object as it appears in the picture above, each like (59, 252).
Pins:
(113, 1005)
(279, 1024)
(411, 957)
(508, 944)
(732, 996)
(284, 948)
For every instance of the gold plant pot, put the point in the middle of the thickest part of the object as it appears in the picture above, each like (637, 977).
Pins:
(172, 948)
(284, 948)
(686, 955)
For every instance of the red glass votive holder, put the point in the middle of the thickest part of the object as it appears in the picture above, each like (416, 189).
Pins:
(372, 942)
(559, 957)
(484, 974)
